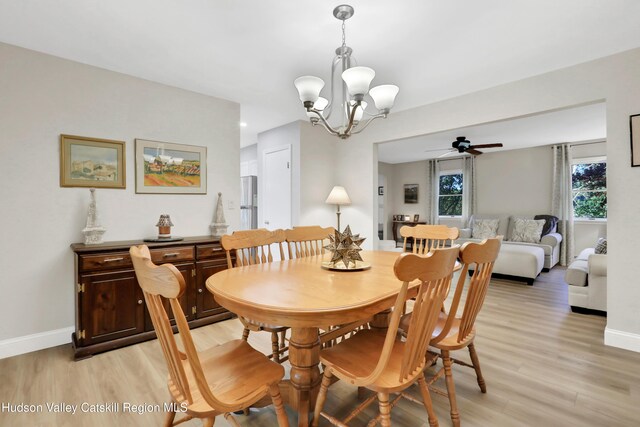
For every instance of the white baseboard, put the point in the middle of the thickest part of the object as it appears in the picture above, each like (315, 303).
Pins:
(622, 339)
(34, 342)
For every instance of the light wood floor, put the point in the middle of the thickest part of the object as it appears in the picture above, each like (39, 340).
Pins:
(544, 366)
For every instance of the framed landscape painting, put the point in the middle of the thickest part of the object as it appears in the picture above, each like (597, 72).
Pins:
(167, 168)
(411, 193)
(92, 162)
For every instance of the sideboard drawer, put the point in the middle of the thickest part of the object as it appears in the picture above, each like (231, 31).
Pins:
(172, 255)
(210, 251)
(104, 261)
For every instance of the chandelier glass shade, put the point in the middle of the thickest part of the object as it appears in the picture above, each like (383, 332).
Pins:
(349, 86)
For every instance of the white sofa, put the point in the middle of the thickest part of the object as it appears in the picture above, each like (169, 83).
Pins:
(518, 259)
(587, 280)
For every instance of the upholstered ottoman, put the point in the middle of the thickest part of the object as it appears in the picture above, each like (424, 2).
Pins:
(520, 261)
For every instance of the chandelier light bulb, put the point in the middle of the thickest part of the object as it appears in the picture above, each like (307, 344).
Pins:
(309, 88)
(384, 96)
(358, 80)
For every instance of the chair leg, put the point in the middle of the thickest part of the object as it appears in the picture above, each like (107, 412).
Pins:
(230, 420)
(426, 400)
(385, 409)
(245, 334)
(476, 365)
(208, 422)
(451, 388)
(274, 390)
(322, 396)
(168, 421)
(283, 335)
(275, 347)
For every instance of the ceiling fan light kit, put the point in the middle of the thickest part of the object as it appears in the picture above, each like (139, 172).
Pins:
(347, 91)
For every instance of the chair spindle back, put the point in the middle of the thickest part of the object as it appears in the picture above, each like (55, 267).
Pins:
(307, 241)
(428, 237)
(252, 246)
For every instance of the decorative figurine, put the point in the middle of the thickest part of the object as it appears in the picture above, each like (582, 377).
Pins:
(164, 227)
(345, 247)
(219, 225)
(93, 231)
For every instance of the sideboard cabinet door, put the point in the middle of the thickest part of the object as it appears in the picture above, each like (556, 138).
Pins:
(112, 306)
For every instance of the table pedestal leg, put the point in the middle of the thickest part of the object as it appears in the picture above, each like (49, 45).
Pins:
(304, 357)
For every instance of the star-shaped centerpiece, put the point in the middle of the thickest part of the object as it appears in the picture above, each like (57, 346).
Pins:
(345, 247)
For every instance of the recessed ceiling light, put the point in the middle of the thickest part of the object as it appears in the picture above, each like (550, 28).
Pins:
(243, 125)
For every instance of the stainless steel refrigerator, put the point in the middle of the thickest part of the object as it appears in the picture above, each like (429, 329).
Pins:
(249, 202)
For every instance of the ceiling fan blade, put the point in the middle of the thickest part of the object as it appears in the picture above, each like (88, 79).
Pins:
(448, 153)
(487, 145)
(473, 151)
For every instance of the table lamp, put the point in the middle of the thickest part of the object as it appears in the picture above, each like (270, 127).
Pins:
(338, 196)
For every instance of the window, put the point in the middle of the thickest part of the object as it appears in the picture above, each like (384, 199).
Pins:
(589, 188)
(450, 194)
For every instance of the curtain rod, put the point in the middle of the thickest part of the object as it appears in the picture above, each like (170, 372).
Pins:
(583, 143)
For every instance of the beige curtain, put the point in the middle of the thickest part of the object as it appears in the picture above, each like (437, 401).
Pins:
(562, 200)
(433, 182)
(469, 191)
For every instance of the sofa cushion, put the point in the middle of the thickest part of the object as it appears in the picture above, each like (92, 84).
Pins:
(485, 228)
(526, 230)
(601, 246)
(503, 222)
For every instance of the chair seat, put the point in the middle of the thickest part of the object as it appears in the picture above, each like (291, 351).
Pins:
(264, 326)
(223, 365)
(450, 342)
(358, 356)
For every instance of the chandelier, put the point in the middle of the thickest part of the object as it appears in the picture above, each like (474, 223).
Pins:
(352, 87)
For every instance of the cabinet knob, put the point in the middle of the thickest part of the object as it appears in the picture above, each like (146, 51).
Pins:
(199, 290)
(139, 302)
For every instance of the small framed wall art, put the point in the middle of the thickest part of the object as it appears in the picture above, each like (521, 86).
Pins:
(92, 162)
(411, 193)
(634, 125)
(167, 168)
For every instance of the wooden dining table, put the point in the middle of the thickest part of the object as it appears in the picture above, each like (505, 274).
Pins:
(299, 293)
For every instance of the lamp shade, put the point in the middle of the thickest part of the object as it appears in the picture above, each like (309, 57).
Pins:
(358, 80)
(338, 196)
(320, 104)
(360, 111)
(309, 87)
(384, 96)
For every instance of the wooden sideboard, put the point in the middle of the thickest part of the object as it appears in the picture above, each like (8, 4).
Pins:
(109, 304)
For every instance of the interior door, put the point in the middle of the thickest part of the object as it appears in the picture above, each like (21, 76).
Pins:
(276, 194)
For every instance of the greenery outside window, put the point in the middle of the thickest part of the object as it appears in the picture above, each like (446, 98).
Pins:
(450, 194)
(589, 188)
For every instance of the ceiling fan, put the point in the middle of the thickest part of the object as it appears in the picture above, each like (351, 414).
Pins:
(463, 145)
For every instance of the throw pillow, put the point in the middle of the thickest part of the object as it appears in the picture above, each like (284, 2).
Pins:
(527, 230)
(601, 246)
(551, 222)
(484, 228)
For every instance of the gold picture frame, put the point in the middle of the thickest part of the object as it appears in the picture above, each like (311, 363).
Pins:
(168, 168)
(92, 162)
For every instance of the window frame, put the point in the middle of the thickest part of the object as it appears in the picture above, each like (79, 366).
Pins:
(450, 172)
(582, 161)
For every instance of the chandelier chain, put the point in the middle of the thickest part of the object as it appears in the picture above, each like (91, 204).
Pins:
(343, 36)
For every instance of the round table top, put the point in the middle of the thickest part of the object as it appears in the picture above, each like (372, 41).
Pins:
(301, 293)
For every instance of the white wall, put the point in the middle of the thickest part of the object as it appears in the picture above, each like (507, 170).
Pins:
(614, 79)
(42, 97)
(249, 160)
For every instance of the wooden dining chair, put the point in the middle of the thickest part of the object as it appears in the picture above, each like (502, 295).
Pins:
(382, 362)
(217, 381)
(307, 240)
(255, 247)
(427, 237)
(453, 331)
